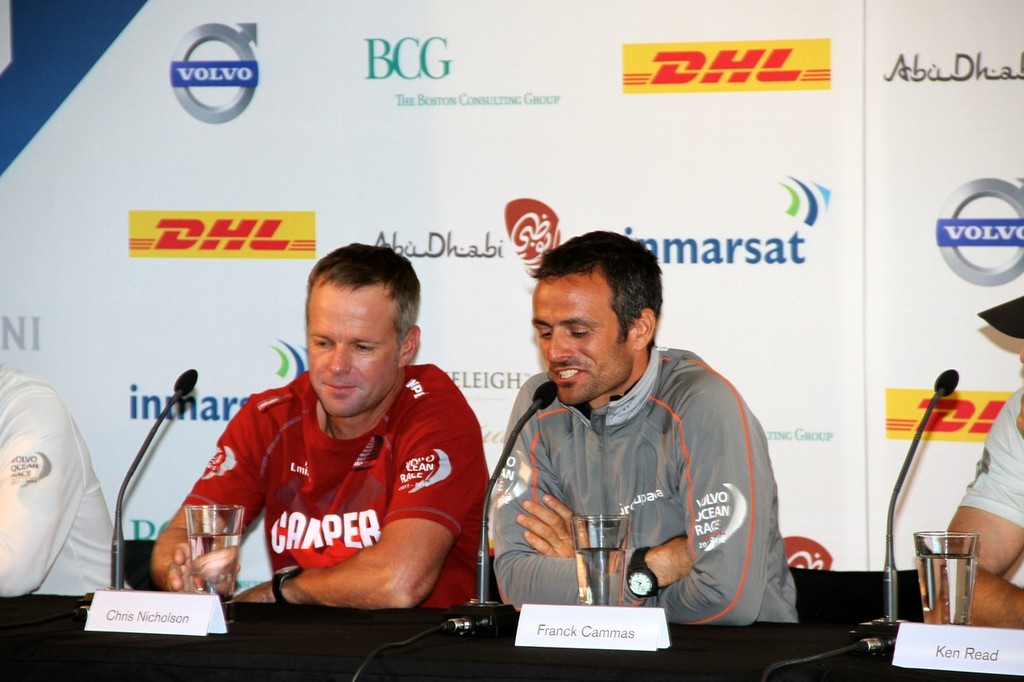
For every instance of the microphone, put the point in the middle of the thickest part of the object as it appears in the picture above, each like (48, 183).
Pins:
(944, 385)
(481, 616)
(182, 387)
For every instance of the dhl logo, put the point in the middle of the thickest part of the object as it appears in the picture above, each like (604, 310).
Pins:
(727, 66)
(221, 234)
(964, 416)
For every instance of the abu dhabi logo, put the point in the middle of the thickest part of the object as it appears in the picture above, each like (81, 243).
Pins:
(804, 552)
(992, 237)
(189, 75)
(533, 228)
(807, 200)
(293, 361)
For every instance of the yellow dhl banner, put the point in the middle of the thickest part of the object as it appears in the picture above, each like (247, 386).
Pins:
(964, 416)
(222, 234)
(752, 65)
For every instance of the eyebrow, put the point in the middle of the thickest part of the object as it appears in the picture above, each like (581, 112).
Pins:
(571, 322)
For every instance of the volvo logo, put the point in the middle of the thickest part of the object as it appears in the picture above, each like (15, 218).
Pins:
(188, 76)
(955, 233)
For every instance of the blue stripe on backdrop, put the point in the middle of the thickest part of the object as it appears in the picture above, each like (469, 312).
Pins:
(54, 44)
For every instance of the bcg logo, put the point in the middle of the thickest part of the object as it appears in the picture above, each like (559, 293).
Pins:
(408, 58)
(727, 66)
(218, 234)
(189, 76)
(957, 232)
(963, 416)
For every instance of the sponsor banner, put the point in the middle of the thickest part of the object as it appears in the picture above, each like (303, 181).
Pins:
(800, 257)
(192, 78)
(981, 231)
(222, 234)
(740, 66)
(804, 552)
(962, 416)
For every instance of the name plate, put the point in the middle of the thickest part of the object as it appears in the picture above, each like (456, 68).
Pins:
(961, 648)
(157, 613)
(593, 627)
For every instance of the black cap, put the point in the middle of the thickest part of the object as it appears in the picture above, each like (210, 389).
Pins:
(1007, 317)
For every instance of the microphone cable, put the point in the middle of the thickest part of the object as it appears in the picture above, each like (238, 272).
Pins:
(396, 645)
(867, 645)
(38, 621)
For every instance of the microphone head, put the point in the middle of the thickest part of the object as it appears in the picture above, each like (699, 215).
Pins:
(947, 381)
(545, 394)
(186, 382)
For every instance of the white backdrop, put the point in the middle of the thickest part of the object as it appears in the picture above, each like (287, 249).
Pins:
(486, 103)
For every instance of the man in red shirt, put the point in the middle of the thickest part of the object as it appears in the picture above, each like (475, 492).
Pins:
(369, 470)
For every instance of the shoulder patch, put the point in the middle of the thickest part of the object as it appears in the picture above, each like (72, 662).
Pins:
(264, 405)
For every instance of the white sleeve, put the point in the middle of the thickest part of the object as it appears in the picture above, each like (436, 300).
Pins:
(999, 485)
(41, 486)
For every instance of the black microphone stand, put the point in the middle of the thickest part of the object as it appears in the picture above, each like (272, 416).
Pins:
(182, 387)
(481, 616)
(944, 385)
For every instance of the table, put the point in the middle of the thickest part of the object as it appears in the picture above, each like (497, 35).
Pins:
(291, 643)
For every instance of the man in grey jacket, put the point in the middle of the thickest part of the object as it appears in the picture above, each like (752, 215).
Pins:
(650, 432)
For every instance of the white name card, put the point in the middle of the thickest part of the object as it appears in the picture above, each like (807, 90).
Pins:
(157, 613)
(592, 627)
(961, 648)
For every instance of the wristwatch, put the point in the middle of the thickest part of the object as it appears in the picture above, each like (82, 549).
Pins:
(280, 575)
(641, 579)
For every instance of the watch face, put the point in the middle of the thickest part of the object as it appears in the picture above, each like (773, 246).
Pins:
(640, 584)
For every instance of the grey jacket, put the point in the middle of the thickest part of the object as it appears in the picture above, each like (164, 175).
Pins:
(682, 454)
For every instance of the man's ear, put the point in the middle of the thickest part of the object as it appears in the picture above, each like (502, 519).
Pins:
(643, 329)
(410, 345)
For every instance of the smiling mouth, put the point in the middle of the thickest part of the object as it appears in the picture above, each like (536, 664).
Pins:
(567, 373)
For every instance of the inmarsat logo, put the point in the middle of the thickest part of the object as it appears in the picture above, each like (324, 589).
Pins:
(293, 362)
(991, 237)
(812, 207)
(771, 249)
(240, 75)
(532, 227)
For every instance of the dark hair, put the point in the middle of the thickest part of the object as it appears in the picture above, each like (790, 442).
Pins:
(632, 271)
(357, 266)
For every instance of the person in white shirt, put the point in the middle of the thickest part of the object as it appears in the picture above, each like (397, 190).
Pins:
(55, 529)
(994, 502)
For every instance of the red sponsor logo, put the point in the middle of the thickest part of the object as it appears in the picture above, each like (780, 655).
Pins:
(532, 228)
(807, 553)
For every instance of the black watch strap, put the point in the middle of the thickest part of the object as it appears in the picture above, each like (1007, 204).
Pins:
(638, 565)
(278, 581)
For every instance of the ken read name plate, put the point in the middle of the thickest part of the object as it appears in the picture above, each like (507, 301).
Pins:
(962, 648)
